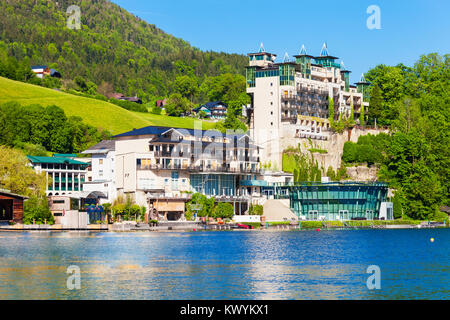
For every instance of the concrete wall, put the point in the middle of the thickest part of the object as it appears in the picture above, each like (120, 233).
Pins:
(75, 219)
(247, 218)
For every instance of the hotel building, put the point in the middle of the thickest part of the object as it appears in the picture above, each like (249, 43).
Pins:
(66, 174)
(160, 167)
(101, 178)
(289, 100)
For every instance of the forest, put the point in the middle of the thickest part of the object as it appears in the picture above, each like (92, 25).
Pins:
(415, 103)
(114, 51)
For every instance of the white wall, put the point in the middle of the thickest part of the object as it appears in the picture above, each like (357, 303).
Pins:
(247, 218)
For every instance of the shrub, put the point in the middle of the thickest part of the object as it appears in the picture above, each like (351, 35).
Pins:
(128, 105)
(37, 209)
(311, 224)
(156, 110)
(223, 210)
(256, 209)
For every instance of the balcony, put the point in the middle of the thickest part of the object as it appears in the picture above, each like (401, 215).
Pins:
(159, 154)
(288, 96)
(288, 118)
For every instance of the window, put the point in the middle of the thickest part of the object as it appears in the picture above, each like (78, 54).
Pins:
(271, 123)
(58, 201)
(100, 161)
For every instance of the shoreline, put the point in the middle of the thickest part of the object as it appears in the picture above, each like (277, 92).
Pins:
(211, 227)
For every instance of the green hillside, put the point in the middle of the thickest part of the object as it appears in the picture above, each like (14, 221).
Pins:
(97, 113)
(113, 47)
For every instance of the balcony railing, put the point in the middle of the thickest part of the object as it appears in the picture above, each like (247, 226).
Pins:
(204, 168)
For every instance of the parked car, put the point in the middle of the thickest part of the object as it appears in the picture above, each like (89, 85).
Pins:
(244, 226)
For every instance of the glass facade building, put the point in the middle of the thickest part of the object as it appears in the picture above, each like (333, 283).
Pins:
(214, 184)
(337, 200)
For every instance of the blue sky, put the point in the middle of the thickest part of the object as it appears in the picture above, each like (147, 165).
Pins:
(408, 28)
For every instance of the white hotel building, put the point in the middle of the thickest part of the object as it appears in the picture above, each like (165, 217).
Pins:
(101, 177)
(289, 100)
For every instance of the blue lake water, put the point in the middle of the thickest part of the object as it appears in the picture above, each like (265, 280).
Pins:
(226, 265)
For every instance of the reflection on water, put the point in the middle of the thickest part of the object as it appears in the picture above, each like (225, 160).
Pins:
(226, 265)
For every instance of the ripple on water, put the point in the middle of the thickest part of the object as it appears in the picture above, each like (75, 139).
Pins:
(226, 265)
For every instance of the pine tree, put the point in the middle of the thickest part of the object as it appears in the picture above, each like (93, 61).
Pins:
(361, 115)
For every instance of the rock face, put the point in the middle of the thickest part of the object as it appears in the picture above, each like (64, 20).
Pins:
(362, 173)
(334, 145)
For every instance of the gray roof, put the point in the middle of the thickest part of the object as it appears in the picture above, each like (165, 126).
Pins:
(102, 147)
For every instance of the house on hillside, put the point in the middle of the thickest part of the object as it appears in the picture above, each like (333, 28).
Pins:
(161, 103)
(121, 96)
(42, 71)
(132, 99)
(216, 110)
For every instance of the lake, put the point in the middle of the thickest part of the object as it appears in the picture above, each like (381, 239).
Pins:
(226, 264)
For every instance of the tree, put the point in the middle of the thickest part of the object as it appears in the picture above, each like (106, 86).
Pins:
(187, 86)
(202, 114)
(256, 209)
(203, 206)
(17, 176)
(362, 115)
(224, 210)
(49, 128)
(228, 88)
(331, 174)
(352, 112)
(231, 122)
(37, 210)
(177, 105)
(376, 104)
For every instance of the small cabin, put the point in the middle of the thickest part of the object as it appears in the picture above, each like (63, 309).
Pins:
(11, 206)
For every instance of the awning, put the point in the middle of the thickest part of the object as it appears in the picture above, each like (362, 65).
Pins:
(95, 195)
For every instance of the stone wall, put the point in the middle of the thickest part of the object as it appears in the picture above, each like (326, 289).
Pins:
(334, 145)
(362, 173)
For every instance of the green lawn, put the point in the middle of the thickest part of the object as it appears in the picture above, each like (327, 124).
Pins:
(177, 122)
(95, 112)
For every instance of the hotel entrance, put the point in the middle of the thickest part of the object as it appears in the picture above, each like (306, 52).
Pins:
(343, 215)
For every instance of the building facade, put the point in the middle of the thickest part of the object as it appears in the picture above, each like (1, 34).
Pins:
(340, 200)
(290, 100)
(66, 174)
(160, 167)
(100, 176)
(11, 207)
(213, 110)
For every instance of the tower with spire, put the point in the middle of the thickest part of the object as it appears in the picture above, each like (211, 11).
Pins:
(290, 98)
(303, 59)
